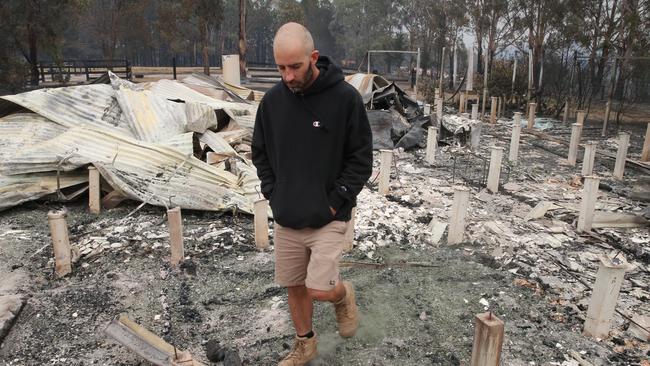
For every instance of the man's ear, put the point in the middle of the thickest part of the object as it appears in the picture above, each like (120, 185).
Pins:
(313, 57)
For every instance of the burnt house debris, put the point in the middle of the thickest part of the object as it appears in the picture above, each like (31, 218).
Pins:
(487, 232)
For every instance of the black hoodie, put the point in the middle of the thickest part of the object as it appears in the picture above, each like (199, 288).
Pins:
(312, 150)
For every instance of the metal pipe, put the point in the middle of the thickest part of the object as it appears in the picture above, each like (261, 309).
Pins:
(417, 73)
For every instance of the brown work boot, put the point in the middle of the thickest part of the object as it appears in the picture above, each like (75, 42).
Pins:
(304, 350)
(347, 314)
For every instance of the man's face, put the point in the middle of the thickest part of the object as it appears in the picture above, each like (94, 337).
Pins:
(296, 67)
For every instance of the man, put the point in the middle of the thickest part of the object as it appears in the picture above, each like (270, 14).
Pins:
(312, 147)
(413, 77)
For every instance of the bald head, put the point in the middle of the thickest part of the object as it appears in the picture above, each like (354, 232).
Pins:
(292, 37)
(295, 56)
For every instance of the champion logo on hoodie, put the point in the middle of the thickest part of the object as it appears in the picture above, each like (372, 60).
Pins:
(316, 124)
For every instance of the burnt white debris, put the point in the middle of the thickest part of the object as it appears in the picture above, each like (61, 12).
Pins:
(148, 141)
(519, 250)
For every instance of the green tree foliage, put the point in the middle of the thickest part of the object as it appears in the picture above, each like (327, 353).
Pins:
(151, 32)
(35, 26)
(260, 28)
(492, 25)
(115, 26)
(433, 25)
(540, 21)
(319, 14)
(362, 25)
(288, 11)
(183, 21)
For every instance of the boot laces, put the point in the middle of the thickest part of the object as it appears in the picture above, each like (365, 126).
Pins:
(298, 350)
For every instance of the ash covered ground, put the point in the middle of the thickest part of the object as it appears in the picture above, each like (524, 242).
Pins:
(417, 294)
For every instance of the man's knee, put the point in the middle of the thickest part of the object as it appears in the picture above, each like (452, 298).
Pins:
(320, 295)
(333, 295)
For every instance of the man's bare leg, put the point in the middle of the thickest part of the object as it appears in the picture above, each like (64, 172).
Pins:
(301, 308)
(305, 345)
(345, 307)
(301, 305)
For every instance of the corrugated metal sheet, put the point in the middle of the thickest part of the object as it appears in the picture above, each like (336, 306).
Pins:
(144, 171)
(248, 180)
(362, 82)
(366, 83)
(244, 94)
(209, 91)
(217, 143)
(75, 106)
(17, 189)
(20, 130)
(175, 90)
(235, 136)
(242, 113)
(246, 121)
(118, 82)
(212, 87)
(201, 80)
(200, 117)
(138, 135)
(151, 117)
(184, 143)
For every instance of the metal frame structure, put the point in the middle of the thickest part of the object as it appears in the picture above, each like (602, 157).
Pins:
(473, 169)
(92, 69)
(417, 66)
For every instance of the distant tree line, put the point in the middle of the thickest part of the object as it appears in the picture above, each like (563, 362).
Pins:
(590, 43)
(149, 32)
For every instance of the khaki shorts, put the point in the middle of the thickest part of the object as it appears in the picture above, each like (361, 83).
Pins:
(309, 256)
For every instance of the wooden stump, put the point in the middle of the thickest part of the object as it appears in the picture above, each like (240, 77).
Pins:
(60, 242)
(175, 222)
(458, 214)
(384, 171)
(94, 190)
(488, 340)
(605, 296)
(261, 220)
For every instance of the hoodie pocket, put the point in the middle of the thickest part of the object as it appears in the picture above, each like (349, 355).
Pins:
(299, 204)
